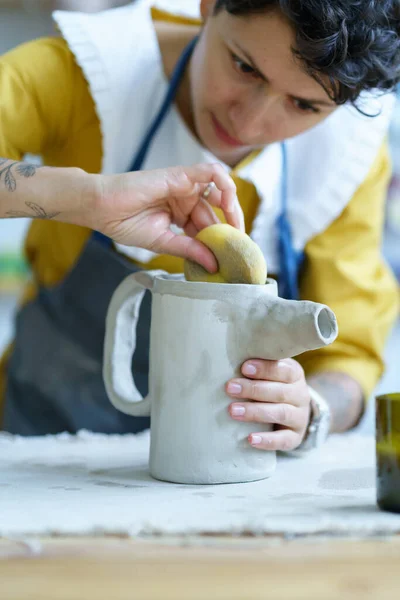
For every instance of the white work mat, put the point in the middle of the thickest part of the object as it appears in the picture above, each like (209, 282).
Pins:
(97, 484)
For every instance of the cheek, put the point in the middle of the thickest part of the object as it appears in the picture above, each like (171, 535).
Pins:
(218, 89)
(296, 124)
(211, 82)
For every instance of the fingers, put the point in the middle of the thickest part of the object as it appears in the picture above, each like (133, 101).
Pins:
(273, 393)
(186, 247)
(283, 440)
(290, 423)
(227, 200)
(270, 381)
(203, 215)
(285, 371)
(190, 229)
(184, 181)
(286, 415)
(268, 391)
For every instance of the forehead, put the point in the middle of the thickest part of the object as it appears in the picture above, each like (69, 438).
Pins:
(269, 39)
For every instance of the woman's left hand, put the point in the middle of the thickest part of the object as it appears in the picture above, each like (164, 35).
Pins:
(272, 392)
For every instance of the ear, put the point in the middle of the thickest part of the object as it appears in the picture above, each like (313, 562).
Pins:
(206, 8)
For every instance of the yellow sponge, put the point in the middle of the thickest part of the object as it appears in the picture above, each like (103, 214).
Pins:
(239, 259)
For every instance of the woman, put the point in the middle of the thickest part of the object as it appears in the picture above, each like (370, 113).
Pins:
(256, 73)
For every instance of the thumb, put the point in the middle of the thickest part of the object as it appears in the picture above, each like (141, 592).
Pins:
(189, 248)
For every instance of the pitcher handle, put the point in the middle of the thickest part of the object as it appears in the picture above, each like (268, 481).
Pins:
(120, 343)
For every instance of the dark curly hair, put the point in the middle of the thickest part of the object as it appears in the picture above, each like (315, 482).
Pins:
(353, 43)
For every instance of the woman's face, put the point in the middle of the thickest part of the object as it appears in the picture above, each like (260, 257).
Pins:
(247, 88)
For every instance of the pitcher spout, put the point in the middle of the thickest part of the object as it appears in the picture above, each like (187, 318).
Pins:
(287, 328)
(320, 325)
(305, 326)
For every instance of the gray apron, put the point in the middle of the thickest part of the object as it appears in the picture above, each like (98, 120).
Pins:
(54, 377)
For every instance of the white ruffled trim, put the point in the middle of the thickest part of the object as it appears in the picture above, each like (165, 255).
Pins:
(311, 211)
(88, 58)
(89, 37)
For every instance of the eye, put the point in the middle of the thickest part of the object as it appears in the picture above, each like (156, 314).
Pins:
(304, 107)
(244, 67)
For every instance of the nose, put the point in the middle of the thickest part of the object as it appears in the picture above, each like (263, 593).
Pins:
(251, 115)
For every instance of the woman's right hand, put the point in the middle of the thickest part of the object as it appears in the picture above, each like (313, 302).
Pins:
(135, 209)
(138, 208)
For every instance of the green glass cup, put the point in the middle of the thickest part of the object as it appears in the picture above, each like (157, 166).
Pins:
(388, 452)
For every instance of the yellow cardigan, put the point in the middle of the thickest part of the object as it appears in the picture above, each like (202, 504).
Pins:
(46, 109)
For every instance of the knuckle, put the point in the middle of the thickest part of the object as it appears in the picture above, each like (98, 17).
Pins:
(268, 368)
(287, 443)
(179, 179)
(295, 395)
(305, 398)
(297, 370)
(260, 414)
(299, 395)
(283, 414)
(218, 169)
(178, 173)
(232, 186)
(255, 390)
(290, 370)
(275, 444)
(281, 393)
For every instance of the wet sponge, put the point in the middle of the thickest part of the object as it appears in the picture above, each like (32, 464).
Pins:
(240, 260)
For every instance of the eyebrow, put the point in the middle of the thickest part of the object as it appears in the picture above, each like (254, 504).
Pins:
(265, 78)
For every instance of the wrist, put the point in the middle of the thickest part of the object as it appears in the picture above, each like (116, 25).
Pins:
(344, 396)
(95, 202)
(319, 423)
(73, 197)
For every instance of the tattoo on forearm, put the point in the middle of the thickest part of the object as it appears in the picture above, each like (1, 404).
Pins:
(9, 171)
(344, 396)
(37, 212)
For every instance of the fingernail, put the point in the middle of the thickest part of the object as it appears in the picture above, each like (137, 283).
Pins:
(249, 369)
(255, 440)
(237, 410)
(234, 388)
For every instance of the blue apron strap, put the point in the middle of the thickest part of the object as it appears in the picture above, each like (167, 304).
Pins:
(290, 259)
(173, 87)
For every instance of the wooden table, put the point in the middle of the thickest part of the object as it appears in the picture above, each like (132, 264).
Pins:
(199, 569)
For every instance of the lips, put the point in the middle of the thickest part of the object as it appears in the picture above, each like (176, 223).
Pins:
(223, 135)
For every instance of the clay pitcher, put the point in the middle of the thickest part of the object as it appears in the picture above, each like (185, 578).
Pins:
(201, 333)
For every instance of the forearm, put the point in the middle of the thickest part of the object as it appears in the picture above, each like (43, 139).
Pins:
(344, 396)
(64, 194)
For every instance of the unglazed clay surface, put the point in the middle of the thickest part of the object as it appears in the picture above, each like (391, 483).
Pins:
(201, 333)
